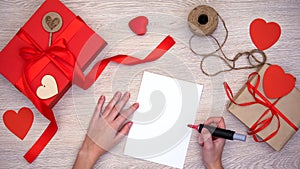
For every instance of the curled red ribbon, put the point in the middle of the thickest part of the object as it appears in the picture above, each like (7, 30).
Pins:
(266, 118)
(59, 54)
(86, 81)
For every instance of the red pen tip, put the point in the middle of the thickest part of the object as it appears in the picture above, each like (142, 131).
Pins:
(193, 126)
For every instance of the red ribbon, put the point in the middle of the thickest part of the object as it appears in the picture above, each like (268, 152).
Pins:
(59, 54)
(86, 81)
(266, 118)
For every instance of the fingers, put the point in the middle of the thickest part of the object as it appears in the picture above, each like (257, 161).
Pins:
(220, 124)
(126, 114)
(205, 139)
(111, 104)
(200, 140)
(99, 107)
(119, 106)
(218, 120)
(124, 131)
(112, 112)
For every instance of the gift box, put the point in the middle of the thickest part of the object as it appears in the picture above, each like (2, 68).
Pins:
(43, 65)
(28, 55)
(269, 105)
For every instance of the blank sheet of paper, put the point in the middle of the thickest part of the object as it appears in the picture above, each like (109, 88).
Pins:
(159, 132)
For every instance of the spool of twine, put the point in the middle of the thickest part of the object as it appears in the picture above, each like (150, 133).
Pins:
(203, 20)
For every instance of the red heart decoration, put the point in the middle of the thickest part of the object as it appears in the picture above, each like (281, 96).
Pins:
(18, 123)
(277, 83)
(138, 25)
(264, 34)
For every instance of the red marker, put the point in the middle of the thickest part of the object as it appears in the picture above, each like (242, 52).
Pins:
(218, 132)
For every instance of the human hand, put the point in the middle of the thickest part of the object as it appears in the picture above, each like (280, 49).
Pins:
(212, 148)
(106, 129)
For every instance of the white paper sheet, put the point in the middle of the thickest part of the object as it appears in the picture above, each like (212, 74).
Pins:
(159, 133)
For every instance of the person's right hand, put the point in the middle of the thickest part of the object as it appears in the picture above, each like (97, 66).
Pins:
(212, 148)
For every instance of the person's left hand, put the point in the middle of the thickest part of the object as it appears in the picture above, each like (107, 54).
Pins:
(107, 128)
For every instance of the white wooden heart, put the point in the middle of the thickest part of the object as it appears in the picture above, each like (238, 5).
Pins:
(48, 88)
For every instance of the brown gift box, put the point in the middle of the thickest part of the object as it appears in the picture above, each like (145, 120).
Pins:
(289, 105)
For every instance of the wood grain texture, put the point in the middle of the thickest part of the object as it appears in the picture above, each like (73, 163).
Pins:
(109, 18)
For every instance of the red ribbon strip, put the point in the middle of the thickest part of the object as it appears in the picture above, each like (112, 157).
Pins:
(59, 54)
(48, 133)
(263, 121)
(86, 81)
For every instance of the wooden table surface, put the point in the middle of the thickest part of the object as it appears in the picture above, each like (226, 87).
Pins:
(109, 19)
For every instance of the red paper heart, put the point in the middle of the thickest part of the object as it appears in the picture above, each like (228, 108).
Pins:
(138, 25)
(18, 123)
(277, 83)
(263, 34)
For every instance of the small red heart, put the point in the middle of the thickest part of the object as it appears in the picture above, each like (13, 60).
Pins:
(264, 34)
(138, 25)
(277, 83)
(18, 123)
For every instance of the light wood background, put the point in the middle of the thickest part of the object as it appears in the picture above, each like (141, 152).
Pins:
(109, 18)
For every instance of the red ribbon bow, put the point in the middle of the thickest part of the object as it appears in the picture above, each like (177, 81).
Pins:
(58, 53)
(58, 49)
(264, 120)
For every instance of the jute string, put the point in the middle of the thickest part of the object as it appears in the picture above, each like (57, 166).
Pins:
(202, 23)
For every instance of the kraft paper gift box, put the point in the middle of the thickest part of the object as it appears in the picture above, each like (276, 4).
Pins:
(18, 57)
(286, 115)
